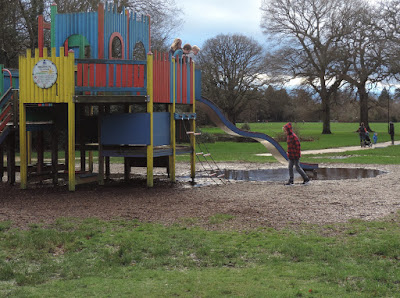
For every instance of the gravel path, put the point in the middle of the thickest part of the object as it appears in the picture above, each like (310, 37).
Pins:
(252, 204)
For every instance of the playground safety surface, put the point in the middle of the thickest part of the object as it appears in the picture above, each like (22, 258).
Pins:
(252, 204)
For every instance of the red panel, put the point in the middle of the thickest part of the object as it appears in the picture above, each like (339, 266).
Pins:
(66, 48)
(110, 75)
(178, 83)
(8, 118)
(191, 83)
(118, 82)
(135, 76)
(141, 75)
(79, 75)
(103, 69)
(184, 81)
(5, 112)
(91, 74)
(40, 35)
(130, 76)
(124, 75)
(85, 74)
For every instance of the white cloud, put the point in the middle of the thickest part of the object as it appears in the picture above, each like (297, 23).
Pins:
(208, 18)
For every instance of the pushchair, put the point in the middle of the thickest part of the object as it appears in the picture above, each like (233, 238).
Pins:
(367, 141)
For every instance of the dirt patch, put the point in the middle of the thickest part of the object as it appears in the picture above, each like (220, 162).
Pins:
(252, 204)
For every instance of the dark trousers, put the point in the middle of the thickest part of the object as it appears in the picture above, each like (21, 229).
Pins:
(299, 169)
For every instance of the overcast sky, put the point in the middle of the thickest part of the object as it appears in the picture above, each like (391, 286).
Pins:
(204, 19)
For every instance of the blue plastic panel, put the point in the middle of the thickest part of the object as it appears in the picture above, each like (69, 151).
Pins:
(125, 129)
(162, 132)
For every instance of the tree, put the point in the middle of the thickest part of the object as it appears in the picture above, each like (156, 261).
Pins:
(366, 45)
(11, 34)
(310, 32)
(30, 10)
(231, 71)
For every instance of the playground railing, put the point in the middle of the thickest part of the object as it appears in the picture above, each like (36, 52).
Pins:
(169, 78)
(116, 76)
(6, 111)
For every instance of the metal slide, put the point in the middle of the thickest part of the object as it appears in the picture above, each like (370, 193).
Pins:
(222, 122)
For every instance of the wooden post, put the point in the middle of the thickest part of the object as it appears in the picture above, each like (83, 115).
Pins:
(127, 169)
(80, 111)
(22, 146)
(71, 146)
(101, 157)
(90, 152)
(11, 158)
(107, 158)
(29, 146)
(1, 162)
(40, 152)
(54, 155)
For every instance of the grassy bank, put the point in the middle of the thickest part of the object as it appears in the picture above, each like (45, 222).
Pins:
(132, 259)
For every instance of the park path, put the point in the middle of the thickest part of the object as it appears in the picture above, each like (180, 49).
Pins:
(340, 149)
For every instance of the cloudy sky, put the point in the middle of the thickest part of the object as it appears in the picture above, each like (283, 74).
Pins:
(204, 19)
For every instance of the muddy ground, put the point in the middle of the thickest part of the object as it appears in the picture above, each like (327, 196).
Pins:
(252, 204)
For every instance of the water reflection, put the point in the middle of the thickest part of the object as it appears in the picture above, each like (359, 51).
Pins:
(320, 174)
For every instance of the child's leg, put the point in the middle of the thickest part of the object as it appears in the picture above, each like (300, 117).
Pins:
(300, 170)
(291, 174)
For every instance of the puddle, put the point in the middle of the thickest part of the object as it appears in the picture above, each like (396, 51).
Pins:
(283, 174)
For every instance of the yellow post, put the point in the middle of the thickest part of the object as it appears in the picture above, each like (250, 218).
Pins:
(172, 158)
(22, 146)
(71, 146)
(193, 128)
(150, 181)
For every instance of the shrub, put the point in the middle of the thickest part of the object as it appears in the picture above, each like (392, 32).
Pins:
(245, 126)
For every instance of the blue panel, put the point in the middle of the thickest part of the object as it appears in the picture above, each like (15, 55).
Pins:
(162, 132)
(85, 24)
(128, 129)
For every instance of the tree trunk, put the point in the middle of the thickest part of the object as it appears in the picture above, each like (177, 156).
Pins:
(363, 106)
(326, 113)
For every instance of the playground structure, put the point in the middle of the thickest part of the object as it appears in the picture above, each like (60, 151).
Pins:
(101, 90)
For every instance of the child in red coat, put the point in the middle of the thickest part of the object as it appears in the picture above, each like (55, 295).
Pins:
(294, 154)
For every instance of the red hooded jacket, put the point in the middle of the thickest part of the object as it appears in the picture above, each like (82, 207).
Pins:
(293, 143)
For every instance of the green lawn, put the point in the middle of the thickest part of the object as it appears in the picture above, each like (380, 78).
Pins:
(132, 259)
(343, 134)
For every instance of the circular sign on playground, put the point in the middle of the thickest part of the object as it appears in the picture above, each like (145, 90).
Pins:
(44, 74)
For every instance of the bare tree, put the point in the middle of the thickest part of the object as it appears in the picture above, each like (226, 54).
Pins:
(231, 67)
(309, 34)
(366, 45)
(12, 34)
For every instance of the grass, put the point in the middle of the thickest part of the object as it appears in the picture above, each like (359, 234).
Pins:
(122, 258)
(343, 134)
(128, 258)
